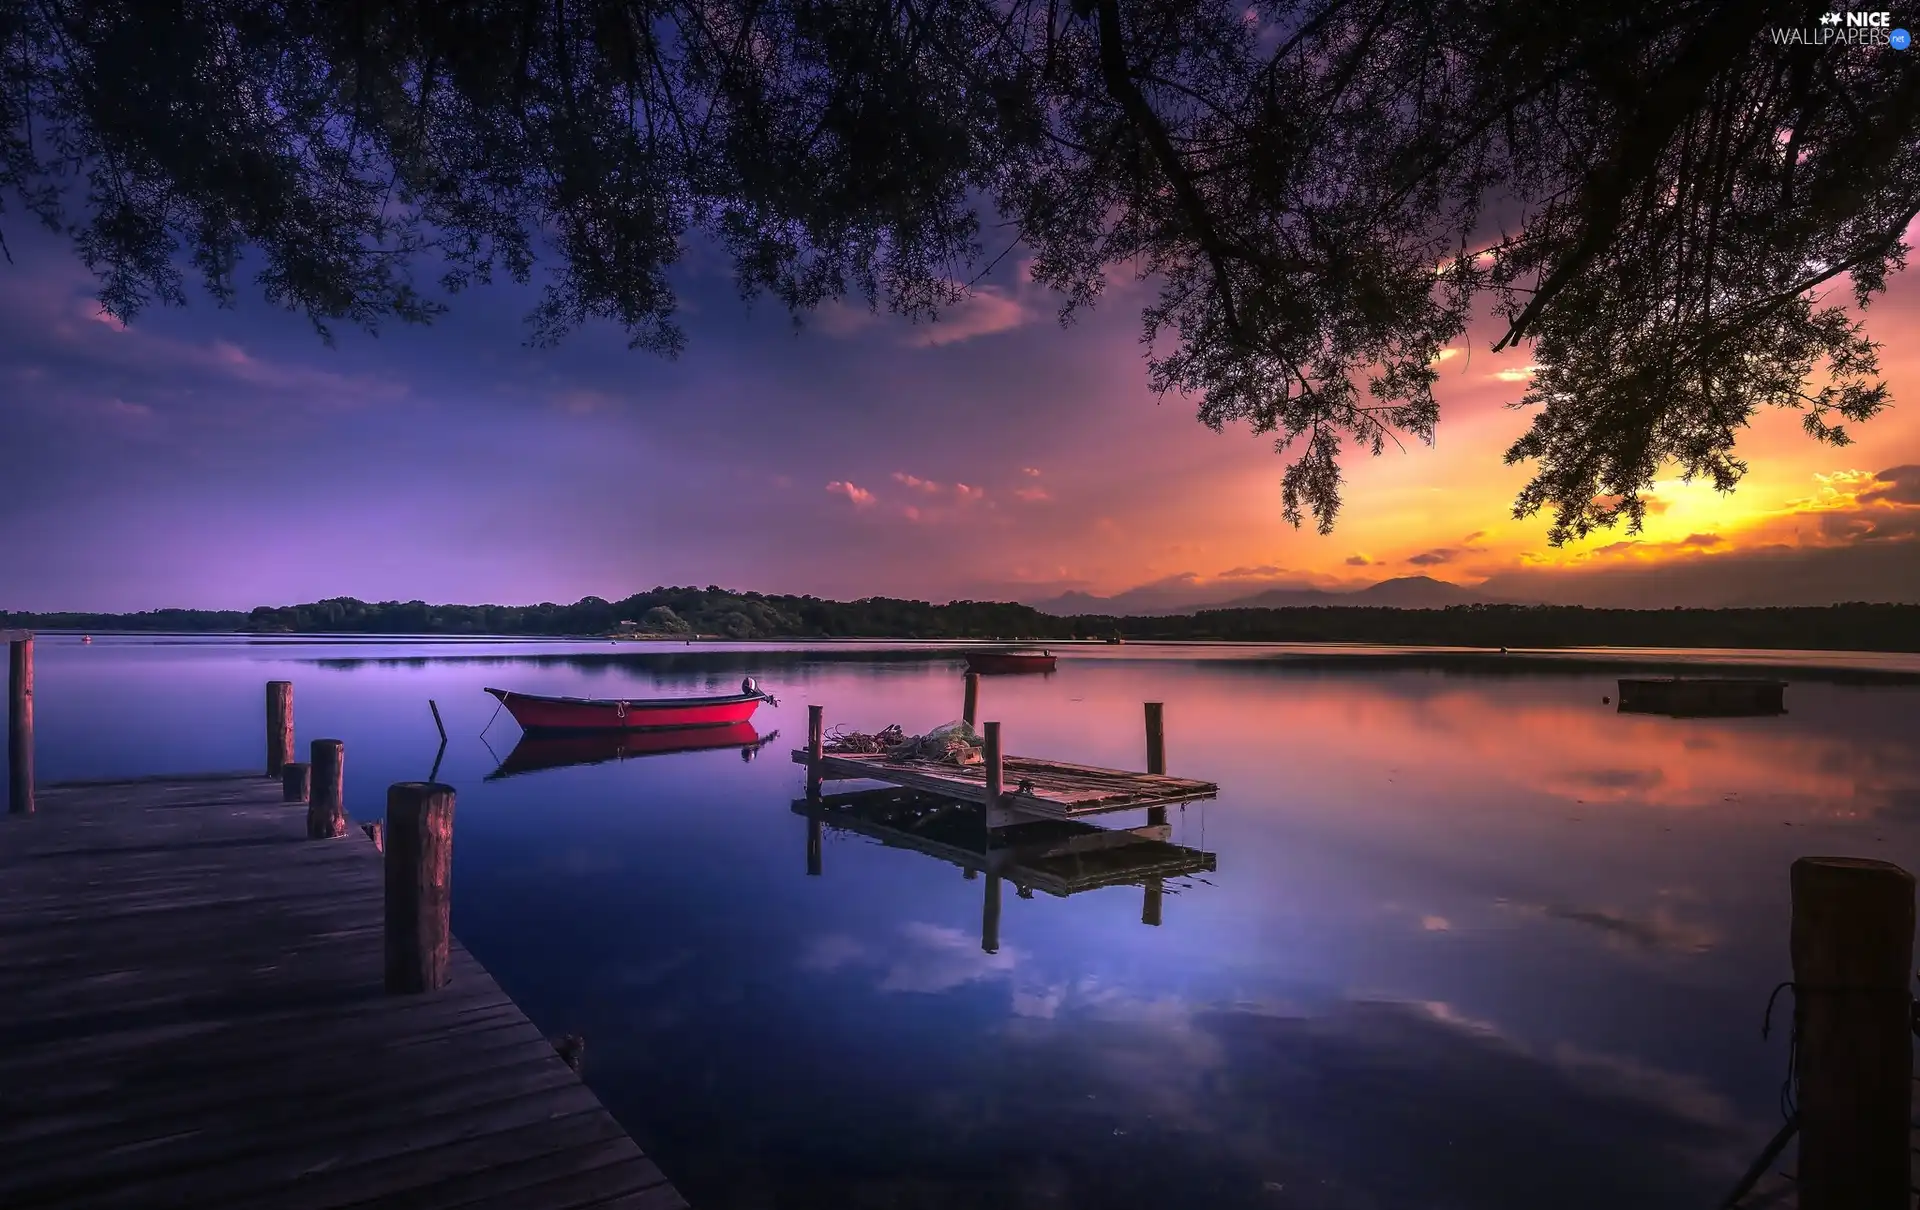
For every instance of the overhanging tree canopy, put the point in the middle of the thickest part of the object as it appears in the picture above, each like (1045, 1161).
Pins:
(1655, 195)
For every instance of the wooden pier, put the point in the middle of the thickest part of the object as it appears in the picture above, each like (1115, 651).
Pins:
(197, 1014)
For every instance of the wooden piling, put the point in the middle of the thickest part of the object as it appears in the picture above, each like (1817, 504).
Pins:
(419, 864)
(1852, 945)
(1150, 903)
(1156, 737)
(376, 832)
(990, 916)
(996, 768)
(814, 848)
(296, 781)
(816, 747)
(326, 806)
(970, 707)
(20, 726)
(279, 726)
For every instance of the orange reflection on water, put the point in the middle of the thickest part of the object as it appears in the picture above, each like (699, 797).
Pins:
(1463, 740)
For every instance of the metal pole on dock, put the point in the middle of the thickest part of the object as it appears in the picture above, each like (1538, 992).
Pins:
(970, 708)
(20, 726)
(279, 726)
(296, 781)
(326, 809)
(814, 854)
(990, 916)
(419, 864)
(816, 747)
(1852, 945)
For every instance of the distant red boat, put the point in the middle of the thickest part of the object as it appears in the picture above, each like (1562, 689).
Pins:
(990, 662)
(536, 713)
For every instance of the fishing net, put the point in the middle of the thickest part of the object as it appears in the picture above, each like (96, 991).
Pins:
(955, 743)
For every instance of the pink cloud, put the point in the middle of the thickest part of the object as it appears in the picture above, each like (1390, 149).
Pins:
(916, 483)
(1033, 495)
(860, 496)
(987, 311)
(1033, 471)
(839, 320)
(968, 494)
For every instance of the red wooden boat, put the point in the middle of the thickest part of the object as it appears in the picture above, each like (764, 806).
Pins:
(989, 662)
(536, 713)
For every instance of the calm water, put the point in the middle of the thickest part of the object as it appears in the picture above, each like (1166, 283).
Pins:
(1472, 940)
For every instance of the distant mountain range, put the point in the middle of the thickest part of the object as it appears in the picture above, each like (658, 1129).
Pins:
(1402, 592)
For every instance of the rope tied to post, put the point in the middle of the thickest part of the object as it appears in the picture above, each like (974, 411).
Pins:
(1788, 1107)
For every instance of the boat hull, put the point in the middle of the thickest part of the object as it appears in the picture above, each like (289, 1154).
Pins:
(1702, 697)
(1003, 662)
(562, 714)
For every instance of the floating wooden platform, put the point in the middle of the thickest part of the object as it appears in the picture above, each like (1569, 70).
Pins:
(1047, 789)
(191, 996)
(1703, 697)
(1060, 857)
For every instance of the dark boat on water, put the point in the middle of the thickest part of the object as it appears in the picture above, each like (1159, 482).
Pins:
(999, 662)
(536, 751)
(536, 713)
(1703, 697)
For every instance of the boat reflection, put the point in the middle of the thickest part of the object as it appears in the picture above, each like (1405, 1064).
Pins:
(1058, 856)
(535, 752)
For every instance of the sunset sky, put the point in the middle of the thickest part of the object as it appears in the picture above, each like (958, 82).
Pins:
(226, 459)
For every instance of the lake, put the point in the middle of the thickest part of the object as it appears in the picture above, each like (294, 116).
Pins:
(1470, 937)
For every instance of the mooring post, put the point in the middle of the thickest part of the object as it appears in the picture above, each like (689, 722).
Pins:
(996, 770)
(990, 916)
(419, 864)
(1156, 737)
(1150, 905)
(296, 781)
(814, 855)
(1852, 944)
(279, 726)
(20, 726)
(376, 832)
(326, 806)
(816, 747)
(970, 706)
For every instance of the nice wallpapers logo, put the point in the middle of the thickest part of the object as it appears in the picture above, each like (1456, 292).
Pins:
(1847, 29)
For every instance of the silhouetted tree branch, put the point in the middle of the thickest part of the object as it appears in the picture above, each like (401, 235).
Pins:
(1651, 193)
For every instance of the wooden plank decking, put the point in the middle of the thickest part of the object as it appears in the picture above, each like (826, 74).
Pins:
(1048, 789)
(192, 1006)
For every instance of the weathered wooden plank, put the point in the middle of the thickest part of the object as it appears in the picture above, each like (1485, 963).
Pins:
(378, 1166)
(193, 1002)
(581, 1187)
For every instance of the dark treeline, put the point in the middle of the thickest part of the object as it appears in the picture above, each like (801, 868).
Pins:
(736, 615)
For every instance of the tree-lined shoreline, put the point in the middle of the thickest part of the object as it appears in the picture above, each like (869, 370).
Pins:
(720, 613)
